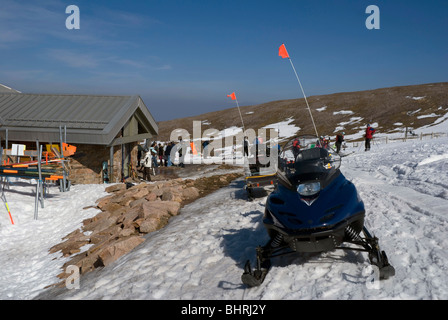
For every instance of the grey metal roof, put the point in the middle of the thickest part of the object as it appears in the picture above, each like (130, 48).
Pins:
(89, 119)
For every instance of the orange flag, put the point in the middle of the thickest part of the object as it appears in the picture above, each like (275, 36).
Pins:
(282, 51)
(233, 96)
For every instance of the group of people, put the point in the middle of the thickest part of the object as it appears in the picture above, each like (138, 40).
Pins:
(368, 136)
(157, 155)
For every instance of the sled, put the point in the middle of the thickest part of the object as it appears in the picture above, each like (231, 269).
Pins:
(259, 176)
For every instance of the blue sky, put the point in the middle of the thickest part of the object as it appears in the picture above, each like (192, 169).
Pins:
(183, 57)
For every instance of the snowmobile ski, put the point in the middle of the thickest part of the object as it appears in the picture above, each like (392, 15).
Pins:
(256, 277)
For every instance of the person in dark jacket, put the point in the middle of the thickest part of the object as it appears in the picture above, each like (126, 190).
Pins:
(168, 153)
(246, 147)
(339, 140)
(161, 155)
(369, 136)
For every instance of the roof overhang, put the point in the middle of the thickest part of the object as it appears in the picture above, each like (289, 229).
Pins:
(85, 131)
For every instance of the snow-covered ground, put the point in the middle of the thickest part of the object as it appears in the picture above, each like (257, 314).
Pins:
(201, 253)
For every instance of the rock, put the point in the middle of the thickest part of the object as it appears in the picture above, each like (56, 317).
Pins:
(158, 192)
(190, 193)
(170, 207)
(72, 244)
(69, 247)
(117, 249)
(122, 200)
(104, 200)
(126, 232)
(137, 202)
(116, 187)
(151, 196)
(167, 196)
(101, 224)
(148, 226)
(126, 213)
(128, 218)
(110, 207)
(138, 193)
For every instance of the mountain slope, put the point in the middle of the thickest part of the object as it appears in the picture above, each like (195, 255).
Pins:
(406, 106)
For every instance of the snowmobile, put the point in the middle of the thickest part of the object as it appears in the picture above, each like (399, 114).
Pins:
(313, 208)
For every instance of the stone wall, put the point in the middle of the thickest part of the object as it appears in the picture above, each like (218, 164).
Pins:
(86, 165)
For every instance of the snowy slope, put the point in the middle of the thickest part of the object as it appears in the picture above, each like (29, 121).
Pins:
(201, 253)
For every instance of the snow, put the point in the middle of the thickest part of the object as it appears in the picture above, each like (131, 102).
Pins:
(27, 267)
(201, 253)
(341, 126)
(439, 125)
(432, 115)
(343, 112)
(285, 128)
(415, 98)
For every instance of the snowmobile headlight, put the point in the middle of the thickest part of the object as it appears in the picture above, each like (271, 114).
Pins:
(308, 189)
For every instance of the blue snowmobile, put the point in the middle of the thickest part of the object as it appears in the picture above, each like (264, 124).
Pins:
(313, 208)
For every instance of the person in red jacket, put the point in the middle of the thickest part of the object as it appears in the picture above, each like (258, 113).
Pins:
(369, 136)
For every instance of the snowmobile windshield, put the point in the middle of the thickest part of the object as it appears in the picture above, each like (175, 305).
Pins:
(307, 159)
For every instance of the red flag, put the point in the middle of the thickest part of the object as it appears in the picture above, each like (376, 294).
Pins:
(233, 96)
(282, 51)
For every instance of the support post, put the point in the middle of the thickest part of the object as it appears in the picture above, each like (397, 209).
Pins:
(39, 186)
(110, 170)
(64, 173)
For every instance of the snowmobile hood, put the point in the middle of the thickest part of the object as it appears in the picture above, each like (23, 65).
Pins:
(337, 202)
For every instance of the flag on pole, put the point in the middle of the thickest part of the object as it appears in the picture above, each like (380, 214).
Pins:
(232, 95)
(282, 52)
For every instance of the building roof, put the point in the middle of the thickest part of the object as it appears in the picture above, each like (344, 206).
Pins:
(88, 119)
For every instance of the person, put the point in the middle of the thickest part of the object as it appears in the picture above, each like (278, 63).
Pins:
(168, 153)
(246, 147)
(325, 142)
(139, 155)
(154, 152)
(369, 136)
(296, 147)
(161, 155)
(339, 140)
(147, 166)
(205, 149)
(181, 154)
